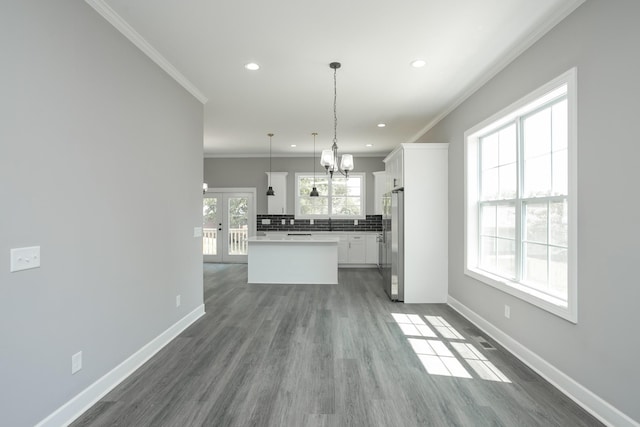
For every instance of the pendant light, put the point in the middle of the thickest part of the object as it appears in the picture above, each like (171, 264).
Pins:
(314, 192)
(270, 191)
(329, 158)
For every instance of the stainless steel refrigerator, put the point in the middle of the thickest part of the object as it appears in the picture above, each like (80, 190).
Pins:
(392, 258)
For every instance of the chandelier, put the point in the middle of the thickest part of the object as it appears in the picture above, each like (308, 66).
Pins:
(329, 157)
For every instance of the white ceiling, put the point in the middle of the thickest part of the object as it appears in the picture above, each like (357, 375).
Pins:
(208, 42)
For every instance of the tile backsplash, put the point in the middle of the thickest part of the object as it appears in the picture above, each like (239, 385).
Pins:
(371, 223)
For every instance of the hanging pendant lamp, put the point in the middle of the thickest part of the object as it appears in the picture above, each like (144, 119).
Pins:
(329, 157)
(270, 191)
(314, 191)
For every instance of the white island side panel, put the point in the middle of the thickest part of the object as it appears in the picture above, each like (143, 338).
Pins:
(293, 261)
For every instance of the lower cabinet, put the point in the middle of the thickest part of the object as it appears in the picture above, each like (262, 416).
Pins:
(357, 250)
(354, 249)
(372, 248)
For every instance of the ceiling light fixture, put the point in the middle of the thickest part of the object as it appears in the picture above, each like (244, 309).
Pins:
(293, 145)
(381, 125)
(314, 191)
(270, 191)
(329, 158)
(368, 145)
(418, 63)
(252, 66)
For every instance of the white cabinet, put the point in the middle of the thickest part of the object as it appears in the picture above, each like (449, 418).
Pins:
(277, 204)
(352, 249)
(394, 168)
(424, 177)
(357, 249)
(379, 188)
(371, 248)
(343, 250)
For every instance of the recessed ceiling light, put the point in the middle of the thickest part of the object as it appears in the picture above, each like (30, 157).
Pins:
(418, 63)
(381, 125)
(293, 145)
(252, 66)
(368, 145)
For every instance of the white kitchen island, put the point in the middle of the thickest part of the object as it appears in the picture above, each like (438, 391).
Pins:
(293, 260)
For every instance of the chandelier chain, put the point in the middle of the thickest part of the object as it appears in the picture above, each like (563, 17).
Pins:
(314, 159)
(335, 114)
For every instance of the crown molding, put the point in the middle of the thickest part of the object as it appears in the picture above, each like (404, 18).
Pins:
(276, 156)
(518, 49)
(134, 37)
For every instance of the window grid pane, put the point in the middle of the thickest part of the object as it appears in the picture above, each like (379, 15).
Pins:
(497, 241)
(498, 156)
(339, 197)
(537, 257)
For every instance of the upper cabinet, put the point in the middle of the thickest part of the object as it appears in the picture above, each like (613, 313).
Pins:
(394, 168)
(277, 204)
(379, 188)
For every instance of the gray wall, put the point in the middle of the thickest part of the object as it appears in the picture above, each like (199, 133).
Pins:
(601, 351)
(250, 172)
(100, 165)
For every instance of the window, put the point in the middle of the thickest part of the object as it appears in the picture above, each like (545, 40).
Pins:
(520, 229)
(339, 197)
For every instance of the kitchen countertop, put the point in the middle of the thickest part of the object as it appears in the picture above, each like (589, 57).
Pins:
(292, 239)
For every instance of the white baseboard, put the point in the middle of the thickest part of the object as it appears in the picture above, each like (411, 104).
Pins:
(592, 403)
(75, 407)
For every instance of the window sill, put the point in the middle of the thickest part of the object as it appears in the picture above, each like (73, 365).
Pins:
(538, 299)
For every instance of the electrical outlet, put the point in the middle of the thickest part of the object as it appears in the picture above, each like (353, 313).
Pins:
(507, 311)
(76, 362)
(355, 222)
(178, 301)
(284, 221)
(266, 221)
(311, 221)
(291, 222)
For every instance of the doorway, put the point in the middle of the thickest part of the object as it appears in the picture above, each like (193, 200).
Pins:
(228, 221)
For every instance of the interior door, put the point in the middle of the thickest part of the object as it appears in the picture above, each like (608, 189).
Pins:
(228, 223)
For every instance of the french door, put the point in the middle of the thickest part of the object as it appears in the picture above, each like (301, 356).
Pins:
(228, 221)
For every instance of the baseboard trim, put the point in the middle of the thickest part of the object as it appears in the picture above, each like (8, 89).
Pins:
(75, 407)
(592, 403)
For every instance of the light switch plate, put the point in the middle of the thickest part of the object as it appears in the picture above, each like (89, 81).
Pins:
(355, 222)
(197, 231)
(25, 258)
(311, 221)
(291, 221)
(266, 221)
(284, 222)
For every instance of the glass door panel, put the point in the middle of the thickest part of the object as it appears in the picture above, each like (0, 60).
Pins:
(227, 226)
(237, 225)
(212, 227)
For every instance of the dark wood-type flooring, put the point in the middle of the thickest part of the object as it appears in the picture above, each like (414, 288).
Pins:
(322, 355)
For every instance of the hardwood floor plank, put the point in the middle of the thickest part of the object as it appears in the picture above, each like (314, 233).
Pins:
(318, 355)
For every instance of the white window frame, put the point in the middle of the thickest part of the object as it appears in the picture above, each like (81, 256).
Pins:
(363, 201)
(567, 310)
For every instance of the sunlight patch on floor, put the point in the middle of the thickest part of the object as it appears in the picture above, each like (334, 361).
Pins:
(435, 355)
